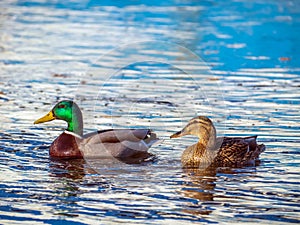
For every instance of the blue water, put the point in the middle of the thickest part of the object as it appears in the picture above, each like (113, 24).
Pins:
(156, 65)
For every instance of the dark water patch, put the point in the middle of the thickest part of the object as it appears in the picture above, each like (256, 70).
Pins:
(269, 217)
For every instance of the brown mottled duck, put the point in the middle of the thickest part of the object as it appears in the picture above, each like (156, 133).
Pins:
(129, 145)
(213, 151)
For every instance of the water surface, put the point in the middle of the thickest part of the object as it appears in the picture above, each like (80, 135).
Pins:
(130, 64)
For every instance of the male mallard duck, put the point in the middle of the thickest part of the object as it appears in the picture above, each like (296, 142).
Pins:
(217, 152)
(124, 144)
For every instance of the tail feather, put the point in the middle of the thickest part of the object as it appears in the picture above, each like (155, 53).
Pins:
(260, 148)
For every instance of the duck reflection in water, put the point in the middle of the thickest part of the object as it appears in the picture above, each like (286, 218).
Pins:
(69, 177)
(72, 169)
(201, 183)
(65, 184)
(199, 186)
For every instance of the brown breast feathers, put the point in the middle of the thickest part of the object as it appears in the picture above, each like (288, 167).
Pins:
(65, 146)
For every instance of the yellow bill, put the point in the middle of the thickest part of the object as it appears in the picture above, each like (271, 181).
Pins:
(46, 118)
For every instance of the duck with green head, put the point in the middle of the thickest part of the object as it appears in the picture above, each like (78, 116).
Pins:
(213, 151)
(124, 144)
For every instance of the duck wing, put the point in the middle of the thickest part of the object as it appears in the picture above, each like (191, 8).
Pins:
(118, 135)
(119, 143)
(237, 152)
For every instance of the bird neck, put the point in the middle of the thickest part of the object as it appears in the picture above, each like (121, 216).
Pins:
(208, 137)
(207, 144)
(75, 125)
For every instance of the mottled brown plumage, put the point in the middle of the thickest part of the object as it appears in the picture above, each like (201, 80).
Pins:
(211, 151)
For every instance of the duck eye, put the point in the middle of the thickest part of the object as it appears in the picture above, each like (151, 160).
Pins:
(61, 106)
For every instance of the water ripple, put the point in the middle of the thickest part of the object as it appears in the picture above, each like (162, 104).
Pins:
(107, 56)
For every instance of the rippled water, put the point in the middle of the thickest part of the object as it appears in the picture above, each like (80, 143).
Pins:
(131, 64)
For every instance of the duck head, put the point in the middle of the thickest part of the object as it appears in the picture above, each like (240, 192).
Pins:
(200, 126)
(67, 111)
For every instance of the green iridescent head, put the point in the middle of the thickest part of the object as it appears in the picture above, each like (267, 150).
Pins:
(68, 111)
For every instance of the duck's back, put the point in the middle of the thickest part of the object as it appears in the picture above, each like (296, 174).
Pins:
(238, 152)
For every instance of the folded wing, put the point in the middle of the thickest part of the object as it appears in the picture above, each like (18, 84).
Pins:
(122, 143)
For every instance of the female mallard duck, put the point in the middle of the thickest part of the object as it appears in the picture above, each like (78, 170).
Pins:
(217, 152)
(124, 144)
